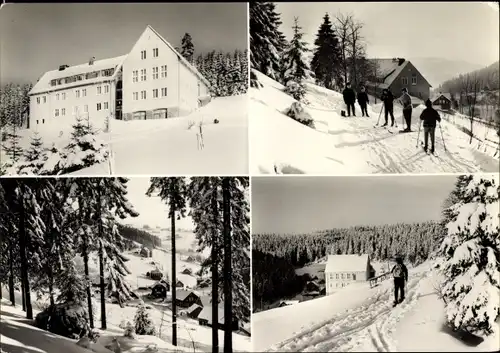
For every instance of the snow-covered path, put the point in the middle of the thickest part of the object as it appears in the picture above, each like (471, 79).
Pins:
(348, 145)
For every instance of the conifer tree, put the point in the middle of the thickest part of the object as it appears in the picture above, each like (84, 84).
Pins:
(143, 323)
(472, 257)
(293, 65)
(187, 50)
(34, 157)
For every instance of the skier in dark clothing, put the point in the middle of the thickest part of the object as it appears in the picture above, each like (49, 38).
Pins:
(388, 100)
(429, 116)
(405, 100)
(363, 101)
(349, 99)
(400, 273)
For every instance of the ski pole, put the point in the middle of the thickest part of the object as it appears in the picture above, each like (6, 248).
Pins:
(380, 114)
(440, 129)
(418, 136)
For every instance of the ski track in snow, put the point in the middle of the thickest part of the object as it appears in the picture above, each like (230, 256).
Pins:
(366, 328)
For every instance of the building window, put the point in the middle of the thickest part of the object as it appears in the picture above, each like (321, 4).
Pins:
(160, 114)
(56, 113)
(348, 276)
(143, 74)
(77, 93)
(155, 73)
(38, 100)
(45, 99)
(404, 80)
(143, 54)
(164, 71)
(106, 107)
(337, 276)
(106, 89)
(63, 111)
(143, 94)
(155, 93)
(85, 108)
(84, 92)
(164, 92)
(99, 106)
(57, 96)
(136, 96)
(63, 96)
(135, 76)
(140, 115)
(75, 110)
(354, 276)
(99, 89)
(43, 121)
(155, 52)
(414, 80)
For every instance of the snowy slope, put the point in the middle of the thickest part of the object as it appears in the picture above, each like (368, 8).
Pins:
(347, 145)
(167, 146)
(361, 319)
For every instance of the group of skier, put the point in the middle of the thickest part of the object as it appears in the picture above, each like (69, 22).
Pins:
(429, 116)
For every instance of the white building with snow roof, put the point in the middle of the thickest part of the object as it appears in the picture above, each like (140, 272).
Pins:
(341, 270)
(152, 81)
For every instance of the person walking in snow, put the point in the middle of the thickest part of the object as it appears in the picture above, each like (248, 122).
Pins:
(349, 99)
(400, 273)
(429, 117)
(363, 101)
(388, 100)
(405, 100)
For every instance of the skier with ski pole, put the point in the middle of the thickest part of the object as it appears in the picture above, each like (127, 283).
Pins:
(363, 101)
(429, 117)
(400, 274)
(388, 99)
(405, 100)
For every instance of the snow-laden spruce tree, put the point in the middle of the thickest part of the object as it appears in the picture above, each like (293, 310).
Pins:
(34, 157)
(471, 251)
(294, 65)
(143, 323)
(71, 284)
(84, 148)
(187, 50)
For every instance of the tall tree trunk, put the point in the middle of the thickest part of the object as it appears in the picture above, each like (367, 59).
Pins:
(174, 276)
(24, 260)
(23, 297)
(215, 276)
(51, 284)
(100, 234)
(228, 271)
(12, 295)
(85, 255)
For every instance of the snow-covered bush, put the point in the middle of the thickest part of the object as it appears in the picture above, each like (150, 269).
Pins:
(298, 113)
(143, 323)
(129, 330)
(65, 319)
(471, 250)
(296, 90)
(34, 158)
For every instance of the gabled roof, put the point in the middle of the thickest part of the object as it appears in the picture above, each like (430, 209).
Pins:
(182, 59)
(346, 263)
(43, 84)
(206, 313)
(389, 70)
(193, 308)
(445, 95)
(182, 294)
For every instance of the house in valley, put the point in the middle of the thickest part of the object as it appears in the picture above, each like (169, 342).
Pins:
(205, 318)
(442, 100)
(160, 289)
(396, 74)
(288, 302)
(194, 310)
(341, 270)
(152, 81)
(185, 298)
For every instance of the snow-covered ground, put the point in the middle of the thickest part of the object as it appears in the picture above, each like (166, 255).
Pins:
(343, 146)
(361, 319)
(167, 146)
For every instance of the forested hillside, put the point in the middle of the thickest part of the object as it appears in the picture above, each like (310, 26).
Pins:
(138, 235)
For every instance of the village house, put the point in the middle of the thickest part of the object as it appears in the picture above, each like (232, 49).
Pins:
(160, 289)
(442, 100)
(205, 318)
(396, 74)
(155, 275)
(342, 270)
(185, 298)
(194, 310)
(152, 81)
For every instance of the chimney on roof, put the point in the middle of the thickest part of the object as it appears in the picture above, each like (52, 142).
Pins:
(63, 67)
(401, 61)
(91, 61)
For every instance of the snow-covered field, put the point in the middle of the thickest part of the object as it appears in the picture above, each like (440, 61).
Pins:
(343, 146)
(361, 319)
(167, 146)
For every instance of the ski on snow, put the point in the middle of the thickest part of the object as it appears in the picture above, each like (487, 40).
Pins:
(428, 153)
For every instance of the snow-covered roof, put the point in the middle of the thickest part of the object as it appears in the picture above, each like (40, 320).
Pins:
(182, 294)
(345, 263)
(193, 308)
(43, 84)
(389, 69)
(182, 59)
(445, 95)
(290, 302)
(206, 313)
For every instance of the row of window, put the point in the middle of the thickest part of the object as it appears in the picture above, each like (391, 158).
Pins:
(343, 276)
(135, 74)
(157, 114)
(62, 111)
(413, 80)
(144, 56)
(135, 95)
(337, 285)
(81, 77)
(78, 93)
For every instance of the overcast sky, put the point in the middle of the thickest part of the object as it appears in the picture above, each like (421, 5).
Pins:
(465, 31)
(35, 38)
(305, 204)
(152, 210)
